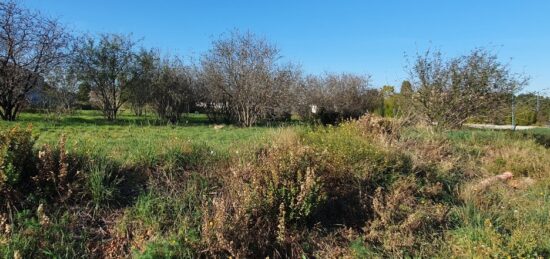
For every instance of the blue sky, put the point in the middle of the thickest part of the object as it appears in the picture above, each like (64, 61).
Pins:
(368, 37)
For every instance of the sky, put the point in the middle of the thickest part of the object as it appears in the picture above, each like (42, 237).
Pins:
(366, 37)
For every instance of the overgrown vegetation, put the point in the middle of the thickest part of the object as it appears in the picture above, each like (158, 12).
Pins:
(303, 166)
(373, 187)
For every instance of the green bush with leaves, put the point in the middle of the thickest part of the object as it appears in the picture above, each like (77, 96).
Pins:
(17, 161)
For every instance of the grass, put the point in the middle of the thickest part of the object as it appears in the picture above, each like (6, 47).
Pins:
(368, 188)
(134, 139)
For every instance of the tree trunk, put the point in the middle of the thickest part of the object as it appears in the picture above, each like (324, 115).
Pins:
(9, 113)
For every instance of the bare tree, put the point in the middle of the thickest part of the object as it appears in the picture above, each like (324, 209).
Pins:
(448, 92)
(172, 89)
(243, 79)
(285, 82)
(30, 46)
(336, 97)
(351, 96)
(107, 65)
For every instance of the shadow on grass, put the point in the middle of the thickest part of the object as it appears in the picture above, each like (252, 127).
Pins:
(95, 118)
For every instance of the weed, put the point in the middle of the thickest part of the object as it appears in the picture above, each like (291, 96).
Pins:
(102, 182)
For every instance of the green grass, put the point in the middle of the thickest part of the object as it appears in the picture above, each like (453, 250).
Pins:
(190, 190)
(132, 139)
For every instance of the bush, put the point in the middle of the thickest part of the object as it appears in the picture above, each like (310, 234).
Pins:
(407, 217)
(17, 158)
(323, 178)
(328, 117)
(56, 179)
(17, 163)
(264, 203)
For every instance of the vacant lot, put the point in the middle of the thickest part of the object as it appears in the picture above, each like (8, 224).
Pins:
(80, 186)
(131, 138)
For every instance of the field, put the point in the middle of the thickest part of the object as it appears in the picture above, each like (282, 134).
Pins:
(81, 186)
(130, 138)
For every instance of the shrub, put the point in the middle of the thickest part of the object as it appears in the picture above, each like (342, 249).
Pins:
(356, 163)
(407, 217)
(322, 178)
(17, 162)
(450, 91)
(542, 139)
(263, 203)
(57, 177)
(17, 158)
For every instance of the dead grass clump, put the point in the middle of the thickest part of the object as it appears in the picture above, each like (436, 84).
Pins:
(384, 130)
(519, 157)
(57, 174)
(406, 217)
(265, 202)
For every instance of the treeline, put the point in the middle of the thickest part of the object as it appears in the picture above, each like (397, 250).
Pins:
(240, 80)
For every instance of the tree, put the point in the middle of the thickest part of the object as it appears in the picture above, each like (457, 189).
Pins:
(335, 97)
(83, 96)
(406, 88)
(140, 88)
(448, 92)
(388, 108)
(349, 95)
(63, 88)
(402, 101)
(309, 96)
(30, 46)
(107, 66)
(286, 81)
(173, 89)
(243, 79)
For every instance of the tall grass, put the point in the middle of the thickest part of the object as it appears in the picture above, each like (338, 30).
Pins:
(366, 188)
(102, 182)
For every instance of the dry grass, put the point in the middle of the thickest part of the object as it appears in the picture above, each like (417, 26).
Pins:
(368, 188)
